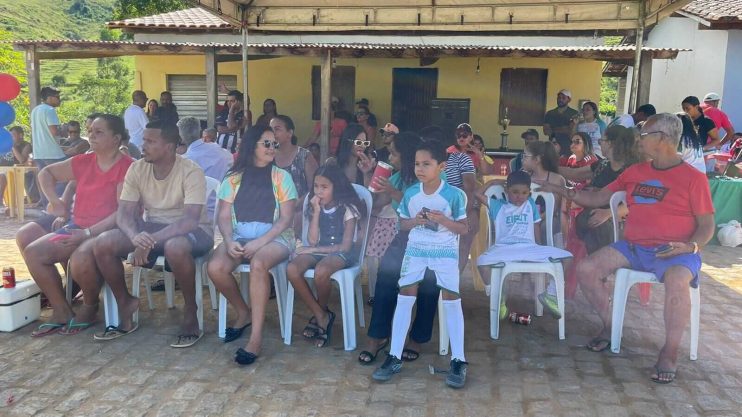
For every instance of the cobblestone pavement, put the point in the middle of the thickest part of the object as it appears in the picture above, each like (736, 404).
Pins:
(527, 372)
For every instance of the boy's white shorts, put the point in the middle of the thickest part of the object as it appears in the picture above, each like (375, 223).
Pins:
(446, 272)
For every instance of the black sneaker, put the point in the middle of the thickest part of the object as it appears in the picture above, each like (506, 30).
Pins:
(392, 365)
(457, 374)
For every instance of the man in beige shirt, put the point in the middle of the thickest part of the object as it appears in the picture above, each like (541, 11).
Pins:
(172, 192)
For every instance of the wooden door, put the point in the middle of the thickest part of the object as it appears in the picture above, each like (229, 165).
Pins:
(413, 90)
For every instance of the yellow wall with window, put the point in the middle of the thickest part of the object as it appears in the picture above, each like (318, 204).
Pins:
(288, 81)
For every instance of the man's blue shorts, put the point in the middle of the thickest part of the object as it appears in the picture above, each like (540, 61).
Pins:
(644, 258)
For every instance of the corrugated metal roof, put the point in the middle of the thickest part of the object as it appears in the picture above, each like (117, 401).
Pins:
(328, 45)
(194, 18)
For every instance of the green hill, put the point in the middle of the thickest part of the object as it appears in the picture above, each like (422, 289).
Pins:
(57, 19)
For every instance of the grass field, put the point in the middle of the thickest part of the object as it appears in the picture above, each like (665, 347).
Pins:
(57, 19)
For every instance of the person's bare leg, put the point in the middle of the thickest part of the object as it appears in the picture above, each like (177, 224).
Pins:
(677, 315)
(28, 233)
(591, 273)
(295, 274)
(264, 259)
(322, 272)
(3, 185)
(178, 256)
(220, 269)
(108, 249)
(41, 257)
(84, 271)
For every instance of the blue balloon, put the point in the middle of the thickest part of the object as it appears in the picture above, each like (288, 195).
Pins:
(7, 114)
(6, 141)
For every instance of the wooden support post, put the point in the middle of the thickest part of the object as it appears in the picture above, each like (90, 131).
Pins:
(645, 79)
(212, 94)
(32, 71)
(633, 100)
(244, 67)
(325, 97)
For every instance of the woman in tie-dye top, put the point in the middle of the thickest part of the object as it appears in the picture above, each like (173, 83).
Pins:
(256, 209)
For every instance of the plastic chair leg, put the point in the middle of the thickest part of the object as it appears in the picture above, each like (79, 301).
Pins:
(620, 296)
(169, 288)
(222, 320)
(110, 307)
(288, 315)
(359, 302)
(137, 279)
(496, 281)
(280, 281)
(347, 293)
(538, 287)
(695, 321)
(559, 283)
(443, 338)
(199, 293)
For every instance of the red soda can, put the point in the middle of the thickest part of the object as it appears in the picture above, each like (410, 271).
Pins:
(520, 318)
(8, 277)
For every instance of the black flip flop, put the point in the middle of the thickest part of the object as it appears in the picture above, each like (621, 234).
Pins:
(234, 333)
(412, 355)
(244, 357)
(372, 355)
(311, 329)
(324, 335)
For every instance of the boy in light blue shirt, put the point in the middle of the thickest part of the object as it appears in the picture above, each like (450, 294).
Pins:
(435, 214)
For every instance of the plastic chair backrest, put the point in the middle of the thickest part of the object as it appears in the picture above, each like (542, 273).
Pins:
(499, 191)
(617, 199)
(365, 196)
(212, 184)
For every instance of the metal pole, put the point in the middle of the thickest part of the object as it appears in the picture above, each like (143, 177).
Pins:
(634, 96)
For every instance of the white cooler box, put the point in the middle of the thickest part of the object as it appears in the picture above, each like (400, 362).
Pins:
(20, 305)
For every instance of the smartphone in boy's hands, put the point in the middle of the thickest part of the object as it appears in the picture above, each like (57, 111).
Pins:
(61, 234)
(660, 250)
(429, 224)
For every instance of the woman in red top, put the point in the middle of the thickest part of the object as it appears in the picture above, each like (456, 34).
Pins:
(99, 177)
(582, 155)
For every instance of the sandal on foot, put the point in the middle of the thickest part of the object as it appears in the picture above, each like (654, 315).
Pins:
(114, 332)
(598, 344)
(45, 329)
(311, 329)
(324, 335)
(244, 357)
(410, 355)
(72, 328)
(663, 376)
(234, 333)
(371, 356)
(187, 340)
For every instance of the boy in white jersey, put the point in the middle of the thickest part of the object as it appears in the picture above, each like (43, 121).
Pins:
(435, 214)
(516, 222)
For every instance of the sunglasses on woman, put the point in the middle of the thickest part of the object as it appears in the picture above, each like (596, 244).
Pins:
(271, 144)
(364, 143)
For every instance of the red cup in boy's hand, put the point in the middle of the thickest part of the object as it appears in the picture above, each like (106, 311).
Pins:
(383, 170)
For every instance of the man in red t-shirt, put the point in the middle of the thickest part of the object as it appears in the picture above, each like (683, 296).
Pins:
(670, 218)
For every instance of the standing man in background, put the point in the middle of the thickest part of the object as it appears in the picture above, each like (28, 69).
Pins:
(558, 121)
(44, 133)
(135, 119)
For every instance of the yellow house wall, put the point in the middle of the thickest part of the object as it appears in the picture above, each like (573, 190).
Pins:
(288, 81)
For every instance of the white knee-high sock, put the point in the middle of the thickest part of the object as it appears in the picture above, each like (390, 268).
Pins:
(401, 323)
(455, 323)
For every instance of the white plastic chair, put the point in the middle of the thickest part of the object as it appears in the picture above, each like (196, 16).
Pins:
(348, 280)
(211, 186)
(554, 269)
(626, 278)
(279, 281)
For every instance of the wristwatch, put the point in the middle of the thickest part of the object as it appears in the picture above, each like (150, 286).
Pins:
(571, 193)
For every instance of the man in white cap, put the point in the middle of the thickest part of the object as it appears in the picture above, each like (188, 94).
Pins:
(558, 121)
(711, 110)
(388, 132)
